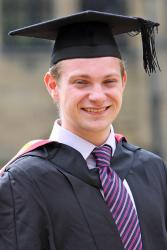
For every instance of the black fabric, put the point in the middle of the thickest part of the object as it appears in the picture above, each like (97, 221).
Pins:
(49, 29)
(91, 34)
(50, 200)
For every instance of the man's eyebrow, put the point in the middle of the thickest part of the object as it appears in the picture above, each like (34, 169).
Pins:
(81, 75)
(114, 74)
(111, 75)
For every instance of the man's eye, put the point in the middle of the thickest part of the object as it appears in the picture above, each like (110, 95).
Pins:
(80, 81)
(110, 81)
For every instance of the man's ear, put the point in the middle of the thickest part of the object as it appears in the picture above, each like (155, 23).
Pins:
(51, 85)
(124, 79)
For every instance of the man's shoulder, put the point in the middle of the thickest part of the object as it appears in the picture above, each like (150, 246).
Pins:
(49, 155)
(144, 156)
(32, 159)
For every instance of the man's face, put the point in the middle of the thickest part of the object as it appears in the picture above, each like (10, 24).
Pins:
(89, 94)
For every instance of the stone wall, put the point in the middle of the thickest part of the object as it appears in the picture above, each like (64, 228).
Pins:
(26, 110)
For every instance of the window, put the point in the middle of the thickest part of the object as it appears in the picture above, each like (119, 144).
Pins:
(16, 14)
(115, 6)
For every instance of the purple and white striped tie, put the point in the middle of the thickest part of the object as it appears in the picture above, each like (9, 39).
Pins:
(118, 200)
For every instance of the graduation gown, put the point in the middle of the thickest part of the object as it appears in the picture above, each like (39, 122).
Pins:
(50, 200)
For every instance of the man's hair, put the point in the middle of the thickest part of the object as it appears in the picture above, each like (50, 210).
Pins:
(56, 70)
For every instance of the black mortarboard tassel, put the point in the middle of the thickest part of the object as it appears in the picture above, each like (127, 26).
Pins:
(92, 34)
(150, 60)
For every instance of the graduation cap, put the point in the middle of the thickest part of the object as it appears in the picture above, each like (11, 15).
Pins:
(91, 34)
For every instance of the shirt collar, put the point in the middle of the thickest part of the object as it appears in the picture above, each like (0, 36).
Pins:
(64, 136)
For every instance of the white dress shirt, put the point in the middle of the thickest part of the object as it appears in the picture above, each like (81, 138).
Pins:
(64, 136)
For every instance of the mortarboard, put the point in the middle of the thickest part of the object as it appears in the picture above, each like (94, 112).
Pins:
(92, 34)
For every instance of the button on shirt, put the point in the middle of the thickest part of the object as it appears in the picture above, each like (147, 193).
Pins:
(64, 136)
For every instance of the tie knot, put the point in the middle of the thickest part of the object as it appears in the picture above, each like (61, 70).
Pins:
(102, 156)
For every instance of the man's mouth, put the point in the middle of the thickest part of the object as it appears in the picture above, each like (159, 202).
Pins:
(96, 110)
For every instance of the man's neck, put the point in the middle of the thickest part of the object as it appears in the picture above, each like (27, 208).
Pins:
(95, 137)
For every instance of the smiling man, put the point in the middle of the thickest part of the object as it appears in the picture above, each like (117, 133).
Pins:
(95, 87)
(85, 187)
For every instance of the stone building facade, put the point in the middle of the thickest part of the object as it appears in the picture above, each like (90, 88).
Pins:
(26, 110)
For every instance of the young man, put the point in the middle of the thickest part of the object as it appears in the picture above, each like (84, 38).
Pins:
(85, 188)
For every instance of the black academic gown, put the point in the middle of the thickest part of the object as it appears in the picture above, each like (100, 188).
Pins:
(49, 200)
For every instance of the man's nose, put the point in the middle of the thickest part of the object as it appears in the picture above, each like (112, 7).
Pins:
(97, 94)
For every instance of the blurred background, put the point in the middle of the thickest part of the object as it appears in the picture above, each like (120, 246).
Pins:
(26, 110)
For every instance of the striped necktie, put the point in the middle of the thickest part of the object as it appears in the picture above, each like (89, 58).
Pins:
(118, 200)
